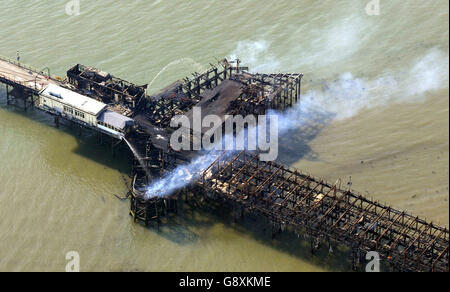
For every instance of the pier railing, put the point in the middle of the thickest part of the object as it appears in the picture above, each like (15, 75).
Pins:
(29, 68)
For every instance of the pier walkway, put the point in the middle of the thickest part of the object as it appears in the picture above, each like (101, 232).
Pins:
(16, 74)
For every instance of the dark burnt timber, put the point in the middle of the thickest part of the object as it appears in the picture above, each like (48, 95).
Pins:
(224, 87)
(286, 198)
(327, 212)
(107, 88)
(222, 90)
(150, 210)
(267, 91)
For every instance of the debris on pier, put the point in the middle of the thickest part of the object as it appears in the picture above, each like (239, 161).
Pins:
(95, 83)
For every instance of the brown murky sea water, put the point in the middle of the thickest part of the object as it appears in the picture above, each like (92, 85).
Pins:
(393, 140)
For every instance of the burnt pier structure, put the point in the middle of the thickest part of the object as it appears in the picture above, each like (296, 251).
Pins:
(326, 212)
(286, 198)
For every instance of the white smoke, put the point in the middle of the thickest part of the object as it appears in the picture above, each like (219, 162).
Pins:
(339, 40)
(182, 176)
(346, 96)
(256, 55)
(429, 73)
(342, 98)
(336, 41)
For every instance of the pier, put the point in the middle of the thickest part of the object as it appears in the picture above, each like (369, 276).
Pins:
(23, 82)
(288, 199)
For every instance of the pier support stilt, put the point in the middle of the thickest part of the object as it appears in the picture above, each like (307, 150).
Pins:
(7, 94)
(112, 147)
(234, 216)
(355, 258)
(57, 121)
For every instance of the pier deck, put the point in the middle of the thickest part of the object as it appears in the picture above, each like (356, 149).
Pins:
(17, 74)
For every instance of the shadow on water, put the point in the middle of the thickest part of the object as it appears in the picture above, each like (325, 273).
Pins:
(195, 217)
(89, 146)
(294, 144)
